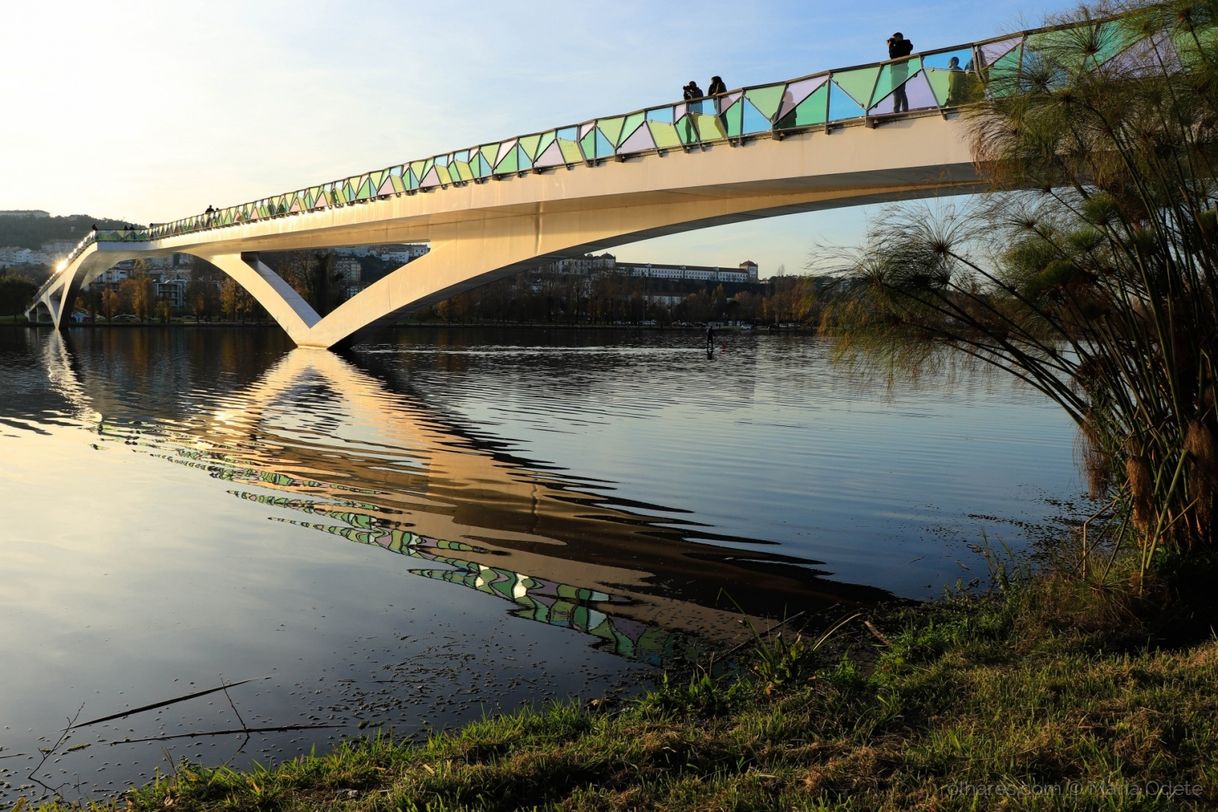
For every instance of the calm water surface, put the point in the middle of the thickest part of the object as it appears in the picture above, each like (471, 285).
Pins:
(445, 524)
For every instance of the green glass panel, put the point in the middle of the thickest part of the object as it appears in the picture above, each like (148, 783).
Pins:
(687, 129)
(529, 144)
(398, 184)
(489, 153)
(509, 162)
(710, 128)
(417, 168)
(1110, 39)
(940, 81)
(603, 147)
(442, 171)
(463, 170)
(753, 120)
(570, 151)
(633, 122)
(892, 76)
(412, 180)
(612, 128)
(732, 117)
(1196, 46)
(664, 134)
(766, 99)
(1002, 77)
(588, 144)
(811, 111)
(547, 138)
(365, 189)
(858, 83)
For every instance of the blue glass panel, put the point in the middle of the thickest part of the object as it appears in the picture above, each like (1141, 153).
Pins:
(943, 60)
(603, 147)
(662, 114)
(754, 121)
(841, 105)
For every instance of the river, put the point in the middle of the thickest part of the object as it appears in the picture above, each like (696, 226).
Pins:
(447, 523)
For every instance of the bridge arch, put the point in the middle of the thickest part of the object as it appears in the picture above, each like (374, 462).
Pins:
(480, 232)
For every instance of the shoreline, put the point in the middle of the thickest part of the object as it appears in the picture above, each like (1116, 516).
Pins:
(1033, 694)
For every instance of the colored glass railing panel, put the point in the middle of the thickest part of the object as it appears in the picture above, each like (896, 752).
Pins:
(934, 81)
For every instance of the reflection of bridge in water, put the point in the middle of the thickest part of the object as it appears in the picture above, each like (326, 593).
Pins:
(415, 485)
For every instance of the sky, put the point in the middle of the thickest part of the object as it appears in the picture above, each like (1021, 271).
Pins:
(149, 111)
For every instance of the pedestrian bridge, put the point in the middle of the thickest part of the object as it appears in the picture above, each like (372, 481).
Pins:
(831, 139)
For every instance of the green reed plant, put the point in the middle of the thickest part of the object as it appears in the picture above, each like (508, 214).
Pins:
(1091, 272)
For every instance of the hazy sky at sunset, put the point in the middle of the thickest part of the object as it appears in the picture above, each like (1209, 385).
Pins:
(151, 110)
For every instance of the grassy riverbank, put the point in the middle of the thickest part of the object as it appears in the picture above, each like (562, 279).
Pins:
(1047, 693)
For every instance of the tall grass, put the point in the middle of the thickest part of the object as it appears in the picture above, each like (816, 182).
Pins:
(1091, 272)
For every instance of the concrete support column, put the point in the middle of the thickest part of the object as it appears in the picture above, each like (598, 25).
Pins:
(287, 307)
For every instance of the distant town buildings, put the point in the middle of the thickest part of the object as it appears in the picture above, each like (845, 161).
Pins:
(589, 265)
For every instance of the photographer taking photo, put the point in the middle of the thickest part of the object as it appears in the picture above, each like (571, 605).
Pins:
(899, 48)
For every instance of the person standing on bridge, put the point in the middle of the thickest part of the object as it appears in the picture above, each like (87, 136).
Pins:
(899, 48)
(716, 90)
(693, 104)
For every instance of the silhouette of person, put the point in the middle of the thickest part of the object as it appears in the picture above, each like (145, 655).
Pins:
(962, 86)
(693, 104)
(710, 337)
(899, 48)
(716, 90)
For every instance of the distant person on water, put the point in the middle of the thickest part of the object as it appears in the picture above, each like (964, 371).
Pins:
(710, 337)
(899, 48)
